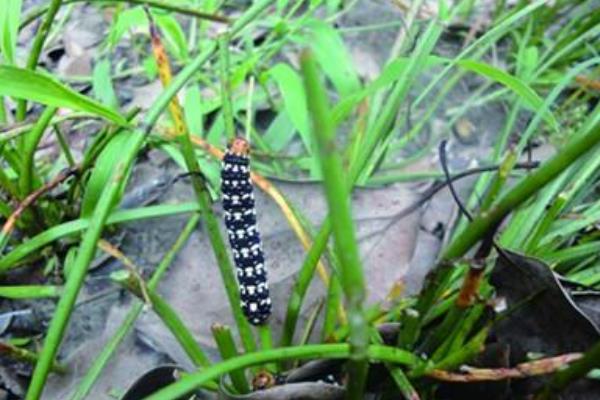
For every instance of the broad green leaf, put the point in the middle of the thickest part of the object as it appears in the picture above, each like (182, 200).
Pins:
(527, 62)
(2, 111)
(241, 71)
(333, 6)
(150, 67)
(391, 73)
(294, 99)
(193, 111)
(10, 13)
(102, 84)
(135, 19)
(216, 130)
(35, 86)
(333, 57)
(524, 91)
(103, 171)
(127, 20)
(280, 132)
(173, 35)
(281, 5)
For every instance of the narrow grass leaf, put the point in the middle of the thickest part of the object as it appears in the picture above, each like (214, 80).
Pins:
(24, 84)
(519, 87)
(338, 200)
(10, 13)
(333, 351)
(294, 100)
(102, 173)
(102, 84)
(333, 57)
(391, 73)
(280, 132)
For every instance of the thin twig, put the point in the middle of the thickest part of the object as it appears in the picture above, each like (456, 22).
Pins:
(439, 185)
(39, 11)
(444, 163)
(524, 370)
(107, 247)
(33, 196)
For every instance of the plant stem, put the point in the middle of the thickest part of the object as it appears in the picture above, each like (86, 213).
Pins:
(166, 314)
(36, 49)
(338, 200)
(64, 145)
(226, 346)
(17, 353)
(30, 143)
(334, 351)
(101, 359)
(526, 188)
(30, 291)
(203, 196)
(105, 204)
(226, 106)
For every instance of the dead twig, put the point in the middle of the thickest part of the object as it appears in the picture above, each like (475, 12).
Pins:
(113, 251)
(10, 223)
(524, 370)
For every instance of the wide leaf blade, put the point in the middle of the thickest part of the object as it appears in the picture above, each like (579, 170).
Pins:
(34, 86)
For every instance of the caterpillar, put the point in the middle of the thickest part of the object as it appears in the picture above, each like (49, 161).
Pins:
(244, 237)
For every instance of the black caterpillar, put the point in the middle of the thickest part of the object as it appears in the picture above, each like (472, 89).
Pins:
(244, 238)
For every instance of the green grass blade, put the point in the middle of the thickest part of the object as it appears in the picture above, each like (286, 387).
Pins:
(30, 292)
(10, 260)
(518, 86)
(333, 351)
(167, 315)
(526, 188)
(10, 13)
(23, 84)
(338, 200)
(101, 360)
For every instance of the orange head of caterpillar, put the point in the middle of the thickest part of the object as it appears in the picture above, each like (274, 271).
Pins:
(239, 146)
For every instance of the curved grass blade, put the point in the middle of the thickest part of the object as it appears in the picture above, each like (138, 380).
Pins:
(29, 85)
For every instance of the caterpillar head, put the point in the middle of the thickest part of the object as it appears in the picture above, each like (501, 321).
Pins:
(239, 147)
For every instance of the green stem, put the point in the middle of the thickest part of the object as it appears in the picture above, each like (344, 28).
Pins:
(64, 146)
(31, 142)
(226, 105)
(227, 348)
(166, 314)
(338, 200)
(17, 353)
(36, 49)
(302, 283)
(30, 291)
(526, 188)
(102, 359)
(105, 204)
(334, 351)
(216, 239)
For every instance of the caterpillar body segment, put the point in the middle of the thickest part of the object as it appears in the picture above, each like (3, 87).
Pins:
(244, 237)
